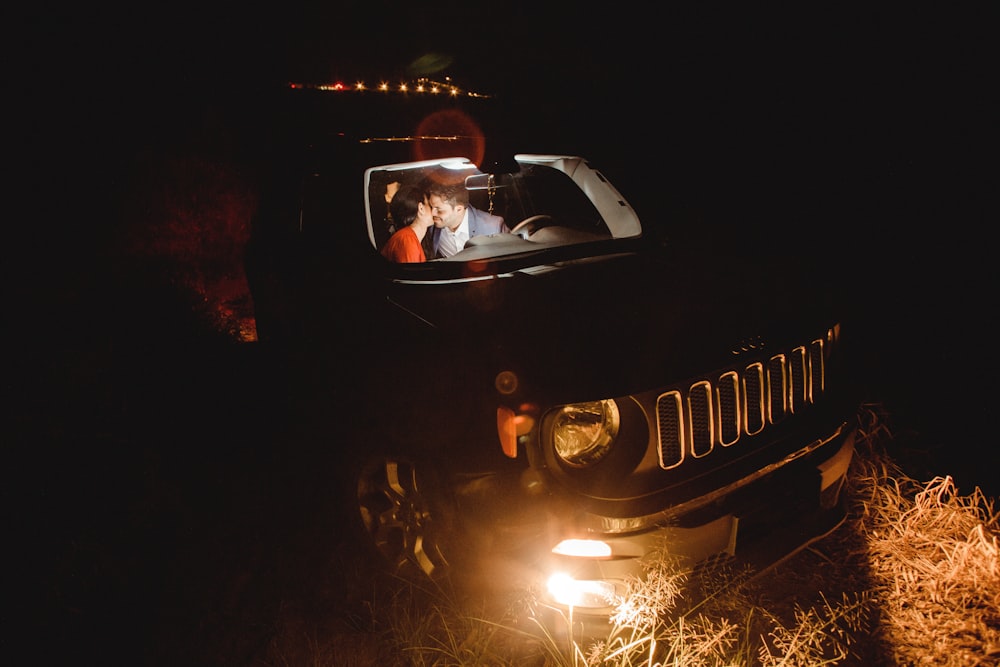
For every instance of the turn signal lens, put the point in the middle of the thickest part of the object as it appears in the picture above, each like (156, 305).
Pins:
(507, 430)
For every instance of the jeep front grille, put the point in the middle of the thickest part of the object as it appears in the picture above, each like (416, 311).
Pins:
(740, 402)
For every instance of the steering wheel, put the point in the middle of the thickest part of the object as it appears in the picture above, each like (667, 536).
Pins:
(529, 225)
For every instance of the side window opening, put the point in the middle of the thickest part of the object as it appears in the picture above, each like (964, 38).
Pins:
(563, 204)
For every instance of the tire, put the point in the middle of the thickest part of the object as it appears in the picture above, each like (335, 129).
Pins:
(404, 518)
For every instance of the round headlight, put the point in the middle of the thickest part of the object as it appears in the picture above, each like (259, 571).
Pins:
(583, 433)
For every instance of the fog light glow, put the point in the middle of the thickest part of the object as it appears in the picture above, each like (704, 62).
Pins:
(571, 592)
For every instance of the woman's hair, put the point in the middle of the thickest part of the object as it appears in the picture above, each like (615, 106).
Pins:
(403, 206)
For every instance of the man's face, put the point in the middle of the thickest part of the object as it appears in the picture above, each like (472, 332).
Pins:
(445, 215)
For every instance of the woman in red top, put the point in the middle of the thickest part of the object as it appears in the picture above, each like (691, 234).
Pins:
(409, 209)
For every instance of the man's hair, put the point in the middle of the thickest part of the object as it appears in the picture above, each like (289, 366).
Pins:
(449, 187)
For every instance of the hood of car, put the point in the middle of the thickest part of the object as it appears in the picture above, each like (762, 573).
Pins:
(613, 324)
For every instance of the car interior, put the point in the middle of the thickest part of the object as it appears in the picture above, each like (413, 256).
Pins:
(541, 205)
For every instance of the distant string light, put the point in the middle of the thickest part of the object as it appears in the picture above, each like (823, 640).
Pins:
(422, 86)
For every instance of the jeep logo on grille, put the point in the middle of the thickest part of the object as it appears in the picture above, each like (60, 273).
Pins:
(748, 344)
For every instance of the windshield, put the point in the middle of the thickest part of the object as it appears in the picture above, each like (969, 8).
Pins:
(549, 201)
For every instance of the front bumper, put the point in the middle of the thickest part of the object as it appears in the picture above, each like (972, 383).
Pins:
(755, 522)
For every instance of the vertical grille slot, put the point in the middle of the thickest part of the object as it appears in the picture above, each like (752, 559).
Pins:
(777, 389)
(817, 370)
(798, 391)
(670, 421)
(728, 399)
(753, 391)
(702, 422)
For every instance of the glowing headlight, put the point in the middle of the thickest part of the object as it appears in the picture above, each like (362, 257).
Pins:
(583, 548)
(584, 432)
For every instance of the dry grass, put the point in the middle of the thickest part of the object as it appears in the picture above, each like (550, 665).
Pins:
(934, 563)
(913, 578)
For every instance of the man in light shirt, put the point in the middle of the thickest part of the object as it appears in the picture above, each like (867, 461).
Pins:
(455, 221)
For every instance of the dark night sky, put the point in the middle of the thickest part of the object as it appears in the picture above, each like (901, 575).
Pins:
(879, 92)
